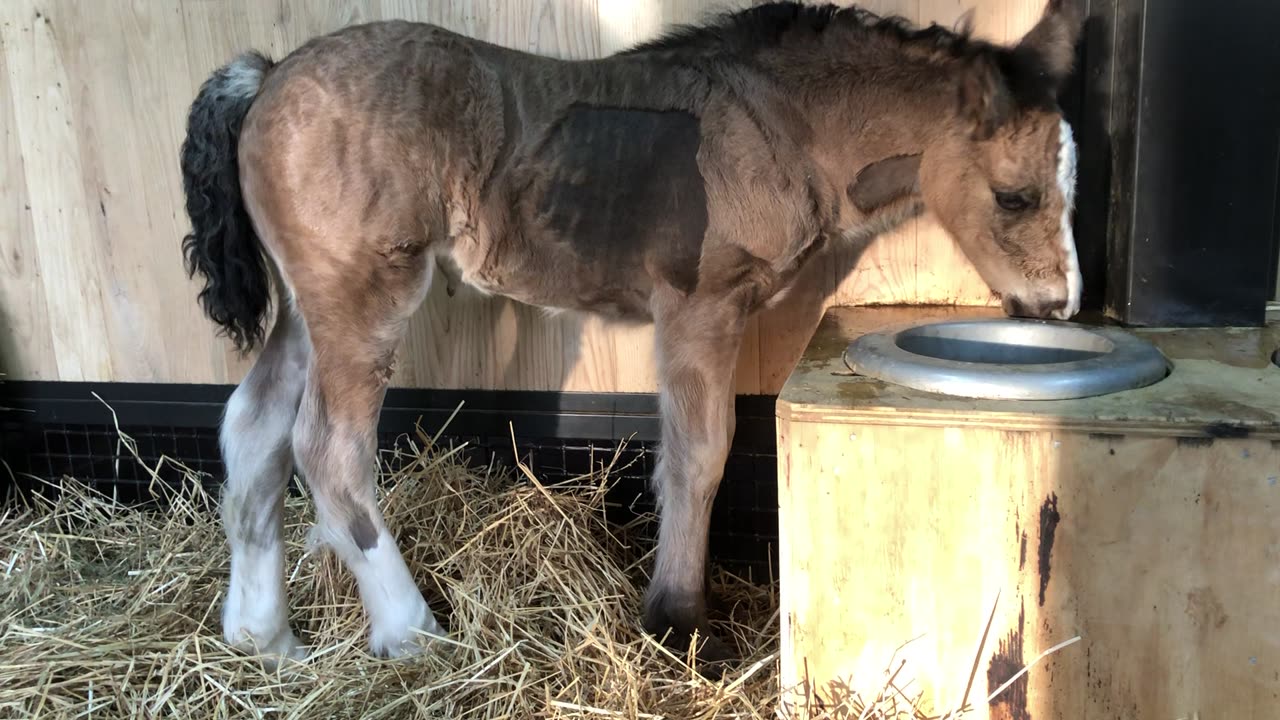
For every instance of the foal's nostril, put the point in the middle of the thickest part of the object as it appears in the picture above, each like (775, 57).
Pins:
(1053, 308)
(1015, 307)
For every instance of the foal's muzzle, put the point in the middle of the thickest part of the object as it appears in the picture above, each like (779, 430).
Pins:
(1038, 308)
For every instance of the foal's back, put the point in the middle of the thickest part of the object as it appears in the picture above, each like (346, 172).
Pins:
(566, 184)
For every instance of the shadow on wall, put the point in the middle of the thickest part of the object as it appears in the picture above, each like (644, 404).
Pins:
(7, 339)
(13, 364)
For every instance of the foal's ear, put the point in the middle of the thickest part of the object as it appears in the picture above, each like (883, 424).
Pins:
(1052, 42)
(985, 98)
(884, 181)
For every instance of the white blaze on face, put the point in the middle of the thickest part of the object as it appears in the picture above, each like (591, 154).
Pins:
(1067, 186)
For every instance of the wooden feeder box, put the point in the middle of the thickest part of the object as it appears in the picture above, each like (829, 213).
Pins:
(1144, 522)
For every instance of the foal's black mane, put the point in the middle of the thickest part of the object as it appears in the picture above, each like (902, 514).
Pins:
(764, 25)
(743, 32)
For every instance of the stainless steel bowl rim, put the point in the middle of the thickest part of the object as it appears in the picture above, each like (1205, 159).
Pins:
(1130, 364)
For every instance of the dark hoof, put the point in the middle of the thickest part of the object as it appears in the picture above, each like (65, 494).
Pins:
(712, 656)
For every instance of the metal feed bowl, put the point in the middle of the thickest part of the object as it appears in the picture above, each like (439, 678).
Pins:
(1008, 359)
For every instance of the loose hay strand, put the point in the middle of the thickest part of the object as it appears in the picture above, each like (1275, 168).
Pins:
(111, 611)
(1026, 669)
(543, 608)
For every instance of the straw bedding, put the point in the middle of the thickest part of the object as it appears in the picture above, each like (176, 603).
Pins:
(111, 611)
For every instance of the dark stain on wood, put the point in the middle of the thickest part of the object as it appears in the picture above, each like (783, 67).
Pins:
(1226, 430)
(1205, 610)
(1022, 547)
(1007, 662)
(1106, 437)
(1109, 439)
(1049, 519)
(1195, 442)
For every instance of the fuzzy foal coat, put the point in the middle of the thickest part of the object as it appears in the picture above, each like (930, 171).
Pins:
(684, 182)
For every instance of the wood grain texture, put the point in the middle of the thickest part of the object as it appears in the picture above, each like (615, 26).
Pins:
(1147, 522)
(94, 98)
(1162, 555)
(45, 94)
(1222, 382)
(26, 344)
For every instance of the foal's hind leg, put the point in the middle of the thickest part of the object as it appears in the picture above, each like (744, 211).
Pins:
(697, 351)
(356, 317)
(256, 452)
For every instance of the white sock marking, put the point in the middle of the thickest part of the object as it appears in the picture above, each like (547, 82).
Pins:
(395, 605)
(255, 616)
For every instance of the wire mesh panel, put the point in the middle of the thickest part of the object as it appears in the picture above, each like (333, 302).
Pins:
(744, 521)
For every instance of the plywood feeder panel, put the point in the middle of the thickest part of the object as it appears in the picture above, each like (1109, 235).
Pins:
(1144, 522)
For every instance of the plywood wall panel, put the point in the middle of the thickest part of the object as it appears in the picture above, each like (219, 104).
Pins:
(136, 101)
(99, 93)
(24, 330)
(43, 87)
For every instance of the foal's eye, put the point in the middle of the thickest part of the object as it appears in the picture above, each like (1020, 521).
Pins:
(1015, 201)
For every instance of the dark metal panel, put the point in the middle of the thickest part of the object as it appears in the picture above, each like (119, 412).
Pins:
(53, 429)
(1086, 104)
(594, 416)
(1194, 122)
(1274, 282)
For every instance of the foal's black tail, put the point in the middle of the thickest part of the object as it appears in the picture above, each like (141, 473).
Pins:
(223, 246)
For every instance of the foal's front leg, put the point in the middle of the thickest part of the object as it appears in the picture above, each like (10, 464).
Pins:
(697, 352)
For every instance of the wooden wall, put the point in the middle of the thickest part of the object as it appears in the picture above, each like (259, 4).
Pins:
(93, 101)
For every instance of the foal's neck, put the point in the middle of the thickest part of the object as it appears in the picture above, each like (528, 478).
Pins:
(884, 111)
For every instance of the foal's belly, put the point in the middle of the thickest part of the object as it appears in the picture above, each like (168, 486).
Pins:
(608, 204)
(548, 277)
